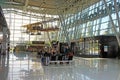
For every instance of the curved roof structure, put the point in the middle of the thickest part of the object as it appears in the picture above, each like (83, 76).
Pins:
(52, 7)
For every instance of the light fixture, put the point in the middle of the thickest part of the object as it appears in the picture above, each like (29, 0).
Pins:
(14, 3)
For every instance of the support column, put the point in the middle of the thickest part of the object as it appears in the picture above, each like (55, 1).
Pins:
(116, 11)
(64, 27)
(118, 19)
(4, 42)
(49, 39)
(113, 25)
(8, 44)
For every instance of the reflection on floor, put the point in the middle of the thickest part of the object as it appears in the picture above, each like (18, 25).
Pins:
(25, 66)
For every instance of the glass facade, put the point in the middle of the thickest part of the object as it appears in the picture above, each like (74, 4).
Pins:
(89, 22)
(16, 19)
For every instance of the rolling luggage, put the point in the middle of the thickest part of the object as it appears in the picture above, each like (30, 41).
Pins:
(45, 61)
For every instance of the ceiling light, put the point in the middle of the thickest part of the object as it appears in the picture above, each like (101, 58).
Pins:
(12, 2)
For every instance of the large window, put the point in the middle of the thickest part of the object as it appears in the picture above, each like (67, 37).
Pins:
(17, 18)
(92, 21)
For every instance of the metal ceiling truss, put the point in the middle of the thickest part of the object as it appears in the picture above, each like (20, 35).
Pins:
(50, 6)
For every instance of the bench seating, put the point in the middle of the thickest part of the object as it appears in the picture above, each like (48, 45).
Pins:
(61, 58)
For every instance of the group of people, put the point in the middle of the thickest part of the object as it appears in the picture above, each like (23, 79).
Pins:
(3, 49)
(54, 55)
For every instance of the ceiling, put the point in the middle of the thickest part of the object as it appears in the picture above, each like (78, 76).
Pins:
(52, 7)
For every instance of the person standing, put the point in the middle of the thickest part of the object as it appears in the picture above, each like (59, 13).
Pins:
(0, 48)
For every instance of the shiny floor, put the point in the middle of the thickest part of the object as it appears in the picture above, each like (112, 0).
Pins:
(26, 66)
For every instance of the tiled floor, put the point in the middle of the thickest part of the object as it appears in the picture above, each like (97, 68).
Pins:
(22, 66)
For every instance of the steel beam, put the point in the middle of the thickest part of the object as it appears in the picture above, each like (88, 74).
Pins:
(113, 25)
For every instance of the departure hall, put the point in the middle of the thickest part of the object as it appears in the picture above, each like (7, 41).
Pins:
(59, 39)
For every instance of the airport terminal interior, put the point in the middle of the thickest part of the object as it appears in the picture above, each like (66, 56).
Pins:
(59, 39)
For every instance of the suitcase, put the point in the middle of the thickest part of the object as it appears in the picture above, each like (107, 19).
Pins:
(45, 61)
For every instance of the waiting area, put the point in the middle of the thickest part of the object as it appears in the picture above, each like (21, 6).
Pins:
(54, 57)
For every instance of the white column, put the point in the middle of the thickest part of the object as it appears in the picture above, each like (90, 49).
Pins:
(113, 25)
(117, 11)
